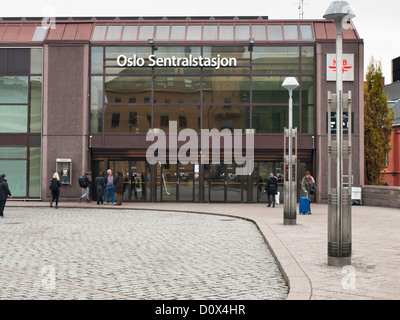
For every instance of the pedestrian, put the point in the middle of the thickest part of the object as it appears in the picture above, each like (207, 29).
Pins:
(85, 182)
(100, 184)
(55, 186)
(110, 189)
(271, 188)
(119, 187)
(4, 193)
(309, 188)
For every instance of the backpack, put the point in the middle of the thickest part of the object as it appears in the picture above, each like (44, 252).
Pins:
(53, 184)
(83, 182)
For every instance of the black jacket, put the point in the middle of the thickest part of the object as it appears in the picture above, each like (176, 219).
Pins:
(4, 191)
(100, 183)
(272, 185)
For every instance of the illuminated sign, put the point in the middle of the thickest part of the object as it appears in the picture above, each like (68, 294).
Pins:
(347, 70)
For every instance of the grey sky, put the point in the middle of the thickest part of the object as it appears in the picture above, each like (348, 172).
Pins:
(378, 22)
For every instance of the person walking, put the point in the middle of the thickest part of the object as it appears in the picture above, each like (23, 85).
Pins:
(85, 182)
(55, 186)
(100, 184)
(110, 189)
(308, 188)
(4, 193)
(119, 187)
(271, 188)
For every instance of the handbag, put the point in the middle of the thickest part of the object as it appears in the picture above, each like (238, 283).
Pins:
(312, 190)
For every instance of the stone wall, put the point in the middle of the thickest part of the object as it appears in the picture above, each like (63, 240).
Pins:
(380, 196)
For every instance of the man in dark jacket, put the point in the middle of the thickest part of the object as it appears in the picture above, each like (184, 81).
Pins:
(271, 188)
(4, 193)
(100, 183)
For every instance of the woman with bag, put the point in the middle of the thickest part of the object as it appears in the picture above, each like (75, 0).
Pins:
(271, 189)
(308, 187)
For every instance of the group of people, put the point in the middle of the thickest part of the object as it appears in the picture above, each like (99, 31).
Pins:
(307, 186)
(110, 184)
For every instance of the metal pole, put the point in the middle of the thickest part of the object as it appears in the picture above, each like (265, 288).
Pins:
(290, 164)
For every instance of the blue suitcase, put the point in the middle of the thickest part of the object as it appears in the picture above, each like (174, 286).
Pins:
(304, 206)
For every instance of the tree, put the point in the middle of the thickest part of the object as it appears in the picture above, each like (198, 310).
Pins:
(378, 120)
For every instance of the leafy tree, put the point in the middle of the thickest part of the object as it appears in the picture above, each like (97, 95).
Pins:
(378, 120)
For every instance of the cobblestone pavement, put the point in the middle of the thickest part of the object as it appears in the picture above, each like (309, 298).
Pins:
(133, 254)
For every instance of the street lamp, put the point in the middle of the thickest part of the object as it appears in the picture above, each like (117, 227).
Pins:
(290, 180)
(339, 199)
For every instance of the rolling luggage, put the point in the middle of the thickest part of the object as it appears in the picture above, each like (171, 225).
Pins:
(304, 206)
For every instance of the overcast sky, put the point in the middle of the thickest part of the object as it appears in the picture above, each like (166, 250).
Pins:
(377, 22)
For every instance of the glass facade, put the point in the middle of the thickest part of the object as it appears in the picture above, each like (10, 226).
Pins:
(21, 84)
(246, 96)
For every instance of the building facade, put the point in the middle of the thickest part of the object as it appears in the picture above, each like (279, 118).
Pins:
(70, 103)
(392, 167)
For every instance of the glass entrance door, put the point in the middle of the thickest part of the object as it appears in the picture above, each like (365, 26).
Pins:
(187, 186)
(217, 182)
(166, 182)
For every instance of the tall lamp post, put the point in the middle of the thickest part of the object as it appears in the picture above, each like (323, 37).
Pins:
(290, 178)
(339, 199)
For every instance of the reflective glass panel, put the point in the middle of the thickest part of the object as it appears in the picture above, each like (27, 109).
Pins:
(130, 33)
(226, 90)
(99, 33)
(18, 61)
(259, 32)
(13, 89)
(275, 32)
(273, 119)
(13, 153)
(127, 119)
(307, 89)
(146, 32)
(185, 117)
(242, 32)
(123, 89)
(225, 32)
(96, 104)
(34, 172)
(269, 90)
(291, 32)
(210, 32)
(177, 52)
(16, 176)
(276, 60)
(162, 32)
(178, 32)
(226, 117)
(36, 104)
(36, 61)
(97, 59)
(307, 60)
(14, 119)
(114, 33)
(306, 33)
(194, 32)
(177, 89)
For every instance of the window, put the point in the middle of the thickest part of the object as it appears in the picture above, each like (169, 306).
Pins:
(133, 118)
(130, 33)
(114, 33)
(242, 32)
(14, 119)
(291, 32)
(275, 32)
(39, 34)
(276, 60)
(306, 33)
(182, 122)
(210, 32)
(164, 121)
(99, 33)
(146, 32)
(132, 100)
(178, 32)
(162, 32)
(259, 32)
(194, 32)
(115, 119)
(226, 32)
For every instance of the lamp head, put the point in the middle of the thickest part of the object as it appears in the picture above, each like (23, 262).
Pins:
(290, 83)
(337, 12)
